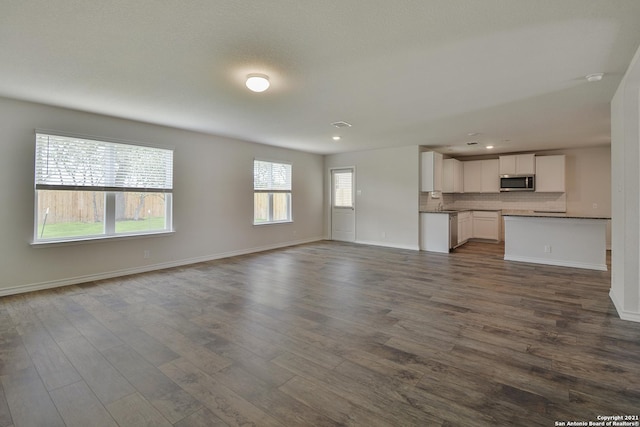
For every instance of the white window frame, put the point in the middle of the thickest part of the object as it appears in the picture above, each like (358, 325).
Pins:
(334, 192)
(108, 186)
(272, 189)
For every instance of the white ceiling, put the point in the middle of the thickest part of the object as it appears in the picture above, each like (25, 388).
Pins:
(422, 72)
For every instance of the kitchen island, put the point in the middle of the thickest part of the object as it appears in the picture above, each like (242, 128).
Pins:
(555, 239)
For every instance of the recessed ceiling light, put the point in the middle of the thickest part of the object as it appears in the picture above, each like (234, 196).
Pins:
(473, 133)
(489, 147)
(336, 138)
(595, 77)
(257, 82)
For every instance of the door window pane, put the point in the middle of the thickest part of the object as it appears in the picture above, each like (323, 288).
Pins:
(343, 189)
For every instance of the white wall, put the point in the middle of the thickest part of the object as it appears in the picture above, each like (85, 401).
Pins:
(625, 184)
(213, 201)
(387, 206)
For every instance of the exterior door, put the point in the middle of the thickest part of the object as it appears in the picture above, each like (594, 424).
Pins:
(343, 212)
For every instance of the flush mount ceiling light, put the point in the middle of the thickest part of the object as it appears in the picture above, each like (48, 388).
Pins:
(341, 124)
(257, 82)
(336, 138)
(595, 77)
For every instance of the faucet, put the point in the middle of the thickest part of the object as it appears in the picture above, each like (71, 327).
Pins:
(439, 206)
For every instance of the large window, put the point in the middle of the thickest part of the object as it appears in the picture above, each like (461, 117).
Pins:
(85, 188)
(271, 192)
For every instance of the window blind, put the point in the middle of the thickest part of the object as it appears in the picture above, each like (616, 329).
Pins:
(343, 189)
(68, 163)
(271, 177)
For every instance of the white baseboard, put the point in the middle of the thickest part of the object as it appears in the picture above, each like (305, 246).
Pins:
(144, 269)
(560, 263)
(624, 315)
(387, 245)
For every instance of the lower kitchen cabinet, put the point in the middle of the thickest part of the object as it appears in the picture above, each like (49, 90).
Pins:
(486, 225)
(435, 232)
(465, 227)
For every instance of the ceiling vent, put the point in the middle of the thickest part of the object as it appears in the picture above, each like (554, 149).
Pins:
(472, 143)
(341, 124)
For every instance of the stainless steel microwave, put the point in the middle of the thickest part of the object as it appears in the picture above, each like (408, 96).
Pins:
(517, 183)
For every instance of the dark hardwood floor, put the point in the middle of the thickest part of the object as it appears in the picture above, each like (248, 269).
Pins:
(323, 334)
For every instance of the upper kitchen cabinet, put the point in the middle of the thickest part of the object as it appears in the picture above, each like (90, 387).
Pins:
(550, 174)
(518, 164)
(490, 176)
(472, 176)
(452, 176)
(481, 176)
(431, 165)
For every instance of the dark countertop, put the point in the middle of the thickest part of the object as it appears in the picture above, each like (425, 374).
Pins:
(447, 211)
(541, 214)
(524, 213)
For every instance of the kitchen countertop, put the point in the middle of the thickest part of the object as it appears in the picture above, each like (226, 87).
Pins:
(543, 214)
(524, 213)
(447, 211)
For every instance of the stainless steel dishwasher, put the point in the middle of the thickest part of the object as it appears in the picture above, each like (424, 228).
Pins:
(453, 230)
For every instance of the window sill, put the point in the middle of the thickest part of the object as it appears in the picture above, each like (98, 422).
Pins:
(273, 222)
(95, 239)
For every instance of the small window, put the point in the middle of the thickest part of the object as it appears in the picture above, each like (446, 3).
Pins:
(86, 189)
(271, 192)
(343, 189)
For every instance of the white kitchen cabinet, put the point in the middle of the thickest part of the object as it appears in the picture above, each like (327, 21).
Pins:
(550, 174)
(526, 164)
(472, 176)
(490, 176)
(507, 165)
(434, 232)
(452, 176)
(481, 176)
(518, 164)
(465, 227)
(431, 165)
(486, 225)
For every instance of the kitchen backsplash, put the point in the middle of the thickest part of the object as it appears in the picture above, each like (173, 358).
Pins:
(526, 201)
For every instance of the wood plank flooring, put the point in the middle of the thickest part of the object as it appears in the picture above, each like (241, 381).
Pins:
(322, 334)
